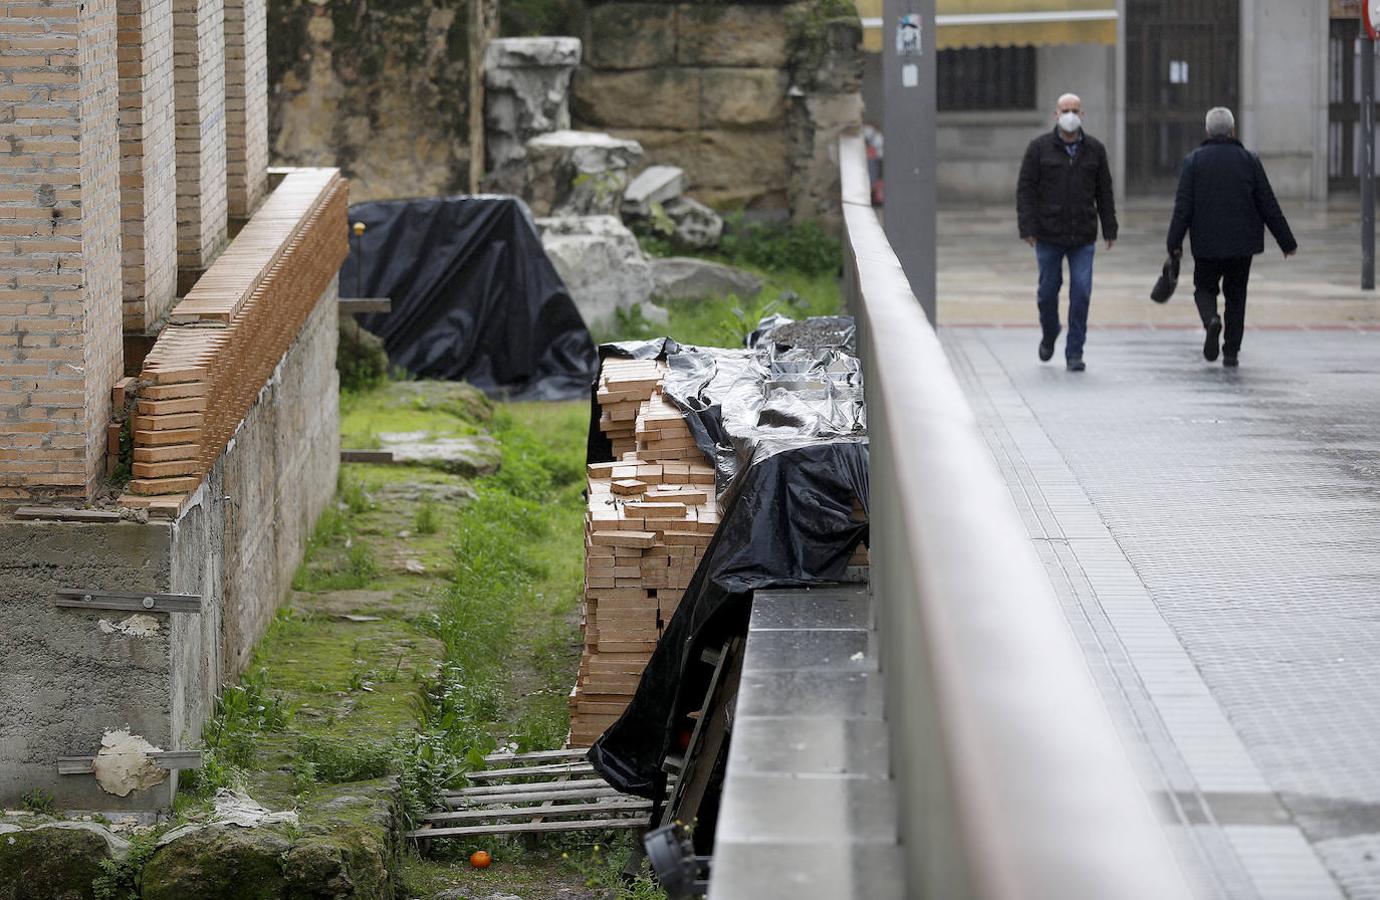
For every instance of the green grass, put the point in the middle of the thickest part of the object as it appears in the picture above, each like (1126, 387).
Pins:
(727, 321)
(364, 415)
(479, 651)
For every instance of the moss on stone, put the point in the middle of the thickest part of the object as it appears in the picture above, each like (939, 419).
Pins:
(219, 863)
(809, 25)
(350, 847)
(50, 863)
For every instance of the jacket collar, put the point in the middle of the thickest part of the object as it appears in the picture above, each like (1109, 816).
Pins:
(1058, 136)
(1221, 140)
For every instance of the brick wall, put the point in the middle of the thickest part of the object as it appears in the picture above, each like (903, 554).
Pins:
(246, 104)
(199, 78)
(60, 342)
(148, 177)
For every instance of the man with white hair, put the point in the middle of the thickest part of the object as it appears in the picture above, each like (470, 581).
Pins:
(1224, 203)
(1065, 188)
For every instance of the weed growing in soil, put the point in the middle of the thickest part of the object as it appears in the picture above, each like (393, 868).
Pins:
(334, 761)
(39, 802)
(601, 867)
(427, 519)
(781, 247)
(244, 713)
(121, 877)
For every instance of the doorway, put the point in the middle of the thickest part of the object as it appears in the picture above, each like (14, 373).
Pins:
(1182, 58)
(1344, 105)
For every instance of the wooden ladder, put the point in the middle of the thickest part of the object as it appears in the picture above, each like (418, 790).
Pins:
(531, 793)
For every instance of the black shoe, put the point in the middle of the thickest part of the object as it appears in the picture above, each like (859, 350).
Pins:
(1046, 351)
(1076, 364)
(1230, 362)
(1210, 345)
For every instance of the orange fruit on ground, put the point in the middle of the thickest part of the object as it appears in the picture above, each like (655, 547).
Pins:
(481, 859)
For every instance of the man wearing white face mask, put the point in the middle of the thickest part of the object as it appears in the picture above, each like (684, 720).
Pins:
(1064, 189)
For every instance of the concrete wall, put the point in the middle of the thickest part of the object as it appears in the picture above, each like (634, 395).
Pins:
(65, 681)
(980, 152)
(1283, 114)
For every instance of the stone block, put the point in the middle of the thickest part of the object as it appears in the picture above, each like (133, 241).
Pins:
(697, 226)
(647, 98)
(631, 35)
(527, 92)
(732, 35)
(56, 860)
(688, 278)
(600, 262)
(220, 862)
(577, 172)
(532, 52)
(746, 168)
(735, 97)
(656, 184)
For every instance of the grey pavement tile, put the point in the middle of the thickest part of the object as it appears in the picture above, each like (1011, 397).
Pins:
(1214, 537)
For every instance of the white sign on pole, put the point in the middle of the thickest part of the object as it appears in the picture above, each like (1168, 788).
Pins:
(1370, 17)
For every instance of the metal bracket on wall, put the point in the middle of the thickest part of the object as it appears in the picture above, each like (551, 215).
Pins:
(353, 306)
(136, 601)
(163, 759)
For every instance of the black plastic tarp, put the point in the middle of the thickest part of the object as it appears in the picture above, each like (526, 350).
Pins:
(787, 432)
(475, 297)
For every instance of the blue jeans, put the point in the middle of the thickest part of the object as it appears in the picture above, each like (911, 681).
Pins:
(1051, 260)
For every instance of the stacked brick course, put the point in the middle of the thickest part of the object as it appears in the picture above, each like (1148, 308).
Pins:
(246, 104)
(60, 341)
(199, 79)
(207, 367)
(148, 162)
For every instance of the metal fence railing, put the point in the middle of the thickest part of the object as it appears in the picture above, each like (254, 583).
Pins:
(1012, 782)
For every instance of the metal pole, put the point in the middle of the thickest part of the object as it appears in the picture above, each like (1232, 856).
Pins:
(908, 99)
(1367, 162)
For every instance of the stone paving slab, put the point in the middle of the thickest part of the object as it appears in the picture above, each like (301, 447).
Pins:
(1214, 536)
(987, 274)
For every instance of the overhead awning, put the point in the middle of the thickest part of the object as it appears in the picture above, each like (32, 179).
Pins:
(1005, 23)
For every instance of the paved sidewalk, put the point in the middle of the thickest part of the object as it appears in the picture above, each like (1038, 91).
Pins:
(1214, 537)
(987, 274)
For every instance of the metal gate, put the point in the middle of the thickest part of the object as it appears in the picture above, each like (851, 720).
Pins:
(1182, 58)
(1343, 105)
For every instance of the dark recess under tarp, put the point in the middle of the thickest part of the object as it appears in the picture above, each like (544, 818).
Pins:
(786, 430)
(474, 296)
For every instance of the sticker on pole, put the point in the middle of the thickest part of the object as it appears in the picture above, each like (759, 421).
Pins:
(908, 34)
(1370, 17)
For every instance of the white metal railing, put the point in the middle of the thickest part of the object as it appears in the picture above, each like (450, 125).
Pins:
(1012, 781)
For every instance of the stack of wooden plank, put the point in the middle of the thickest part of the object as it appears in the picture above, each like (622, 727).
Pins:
(624, 385)
(650, 517)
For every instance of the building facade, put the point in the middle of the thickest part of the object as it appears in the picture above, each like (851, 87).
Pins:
(1147, 71)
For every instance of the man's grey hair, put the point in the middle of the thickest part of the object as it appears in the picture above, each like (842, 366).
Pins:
(1220, 122)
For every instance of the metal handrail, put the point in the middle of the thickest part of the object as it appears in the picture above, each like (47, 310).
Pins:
(1012, 781)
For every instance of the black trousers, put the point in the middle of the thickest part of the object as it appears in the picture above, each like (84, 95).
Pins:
(1231, 273)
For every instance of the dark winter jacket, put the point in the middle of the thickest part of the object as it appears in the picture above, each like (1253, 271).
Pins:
(1060, 199)
(1224, 202)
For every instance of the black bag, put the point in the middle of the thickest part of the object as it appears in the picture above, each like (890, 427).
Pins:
(1168, 280)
